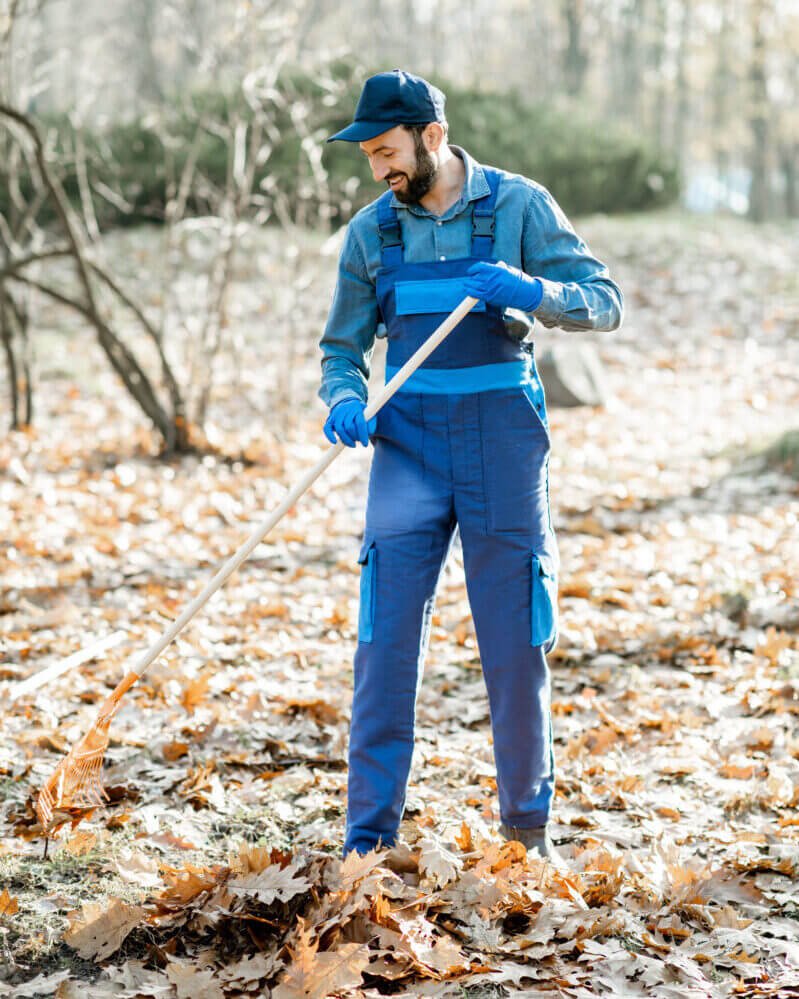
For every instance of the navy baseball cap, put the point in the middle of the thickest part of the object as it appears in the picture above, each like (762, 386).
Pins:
(390, 99)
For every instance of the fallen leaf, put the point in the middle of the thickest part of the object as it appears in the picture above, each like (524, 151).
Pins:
(8, 904)
(98, 929)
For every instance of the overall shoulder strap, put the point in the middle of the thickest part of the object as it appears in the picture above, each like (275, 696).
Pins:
(390, 232)
(483, 216)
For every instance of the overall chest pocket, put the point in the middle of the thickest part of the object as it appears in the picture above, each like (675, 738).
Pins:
(419, 298)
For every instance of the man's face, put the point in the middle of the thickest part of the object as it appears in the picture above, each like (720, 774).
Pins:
(401, 159)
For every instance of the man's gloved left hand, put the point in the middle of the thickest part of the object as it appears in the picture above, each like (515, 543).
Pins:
(504, 286)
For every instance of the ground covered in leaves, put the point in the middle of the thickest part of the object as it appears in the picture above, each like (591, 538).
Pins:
(214, 871)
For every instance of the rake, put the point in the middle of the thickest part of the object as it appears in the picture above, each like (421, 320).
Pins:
(77, 780)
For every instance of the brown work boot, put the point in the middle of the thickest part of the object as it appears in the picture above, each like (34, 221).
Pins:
(535, 837)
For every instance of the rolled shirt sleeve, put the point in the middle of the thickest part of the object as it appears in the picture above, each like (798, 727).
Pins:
(348, 339)
(578, 291)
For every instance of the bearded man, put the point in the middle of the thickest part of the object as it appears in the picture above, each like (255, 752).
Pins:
(462, 446)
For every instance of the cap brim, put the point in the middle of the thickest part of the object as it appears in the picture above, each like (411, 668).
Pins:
(360, 131)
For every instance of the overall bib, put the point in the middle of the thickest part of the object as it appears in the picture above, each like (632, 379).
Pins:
(463, 445)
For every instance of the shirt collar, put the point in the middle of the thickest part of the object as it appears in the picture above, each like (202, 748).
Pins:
(475, 186)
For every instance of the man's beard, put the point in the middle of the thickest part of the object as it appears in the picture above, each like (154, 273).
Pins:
(425, 174)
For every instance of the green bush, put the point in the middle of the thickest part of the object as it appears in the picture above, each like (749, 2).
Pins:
(588, 165)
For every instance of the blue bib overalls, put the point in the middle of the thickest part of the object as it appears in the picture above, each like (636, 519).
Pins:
(464, 444)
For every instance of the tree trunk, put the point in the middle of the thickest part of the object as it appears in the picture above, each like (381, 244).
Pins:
(722, 95)
(575, 59)
(657, 50)
(683, 100)
(759, 193)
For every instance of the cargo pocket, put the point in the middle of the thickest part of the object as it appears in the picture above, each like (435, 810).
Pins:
(366, 610)
(543, 602)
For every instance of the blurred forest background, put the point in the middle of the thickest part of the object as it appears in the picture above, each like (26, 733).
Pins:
(210, 118)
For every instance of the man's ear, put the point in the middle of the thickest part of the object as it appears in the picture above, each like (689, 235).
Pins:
(433, 136)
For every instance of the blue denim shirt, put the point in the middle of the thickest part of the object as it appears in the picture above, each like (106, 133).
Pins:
(531, 233)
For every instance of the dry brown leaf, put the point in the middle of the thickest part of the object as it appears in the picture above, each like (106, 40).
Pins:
(356, 866)
(738, 772)
(8, 905)
(760, 738)
(184, 884)
(250, 858)
(98, 929)
(774, 644)
(321, 711)
(464, 838)
(193, 983)
(174, 750)
(274, 882)
(436, 862)
(80, 843)
(135, 867)
(312, 975)
(194, 693)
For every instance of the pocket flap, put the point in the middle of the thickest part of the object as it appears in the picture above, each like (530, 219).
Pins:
(415, 298)
(543, 601)
(366, 610)
(546, 565)
(366, 547)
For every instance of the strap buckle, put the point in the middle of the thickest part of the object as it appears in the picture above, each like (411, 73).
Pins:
(390, 235)
(483, 225)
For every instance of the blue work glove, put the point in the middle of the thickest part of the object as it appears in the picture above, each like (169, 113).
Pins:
(347, 420)
(503, 286)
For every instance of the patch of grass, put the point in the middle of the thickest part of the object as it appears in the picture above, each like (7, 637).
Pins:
(783, 454)
(46, 890)
(765, 455)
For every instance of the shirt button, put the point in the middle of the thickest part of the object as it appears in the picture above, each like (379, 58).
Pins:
(442, 257)
(439, 223)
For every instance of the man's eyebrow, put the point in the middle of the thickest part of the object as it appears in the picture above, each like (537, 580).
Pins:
(379, 149)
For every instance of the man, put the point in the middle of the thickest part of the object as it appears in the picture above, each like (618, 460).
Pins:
(464, 444)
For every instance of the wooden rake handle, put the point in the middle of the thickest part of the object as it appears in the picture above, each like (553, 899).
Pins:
(294, 494)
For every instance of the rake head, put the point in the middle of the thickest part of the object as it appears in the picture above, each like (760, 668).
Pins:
(76, 781)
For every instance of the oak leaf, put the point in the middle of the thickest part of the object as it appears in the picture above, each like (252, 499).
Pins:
(271, 884)
(99, 929)
(312, 975)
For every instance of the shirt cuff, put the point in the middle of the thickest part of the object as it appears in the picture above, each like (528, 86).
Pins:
(550, 306)
(342, 395)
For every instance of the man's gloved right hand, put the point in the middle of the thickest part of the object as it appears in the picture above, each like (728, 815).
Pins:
(346, 420)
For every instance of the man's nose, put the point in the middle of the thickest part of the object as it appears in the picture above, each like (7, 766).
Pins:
(380, 172)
